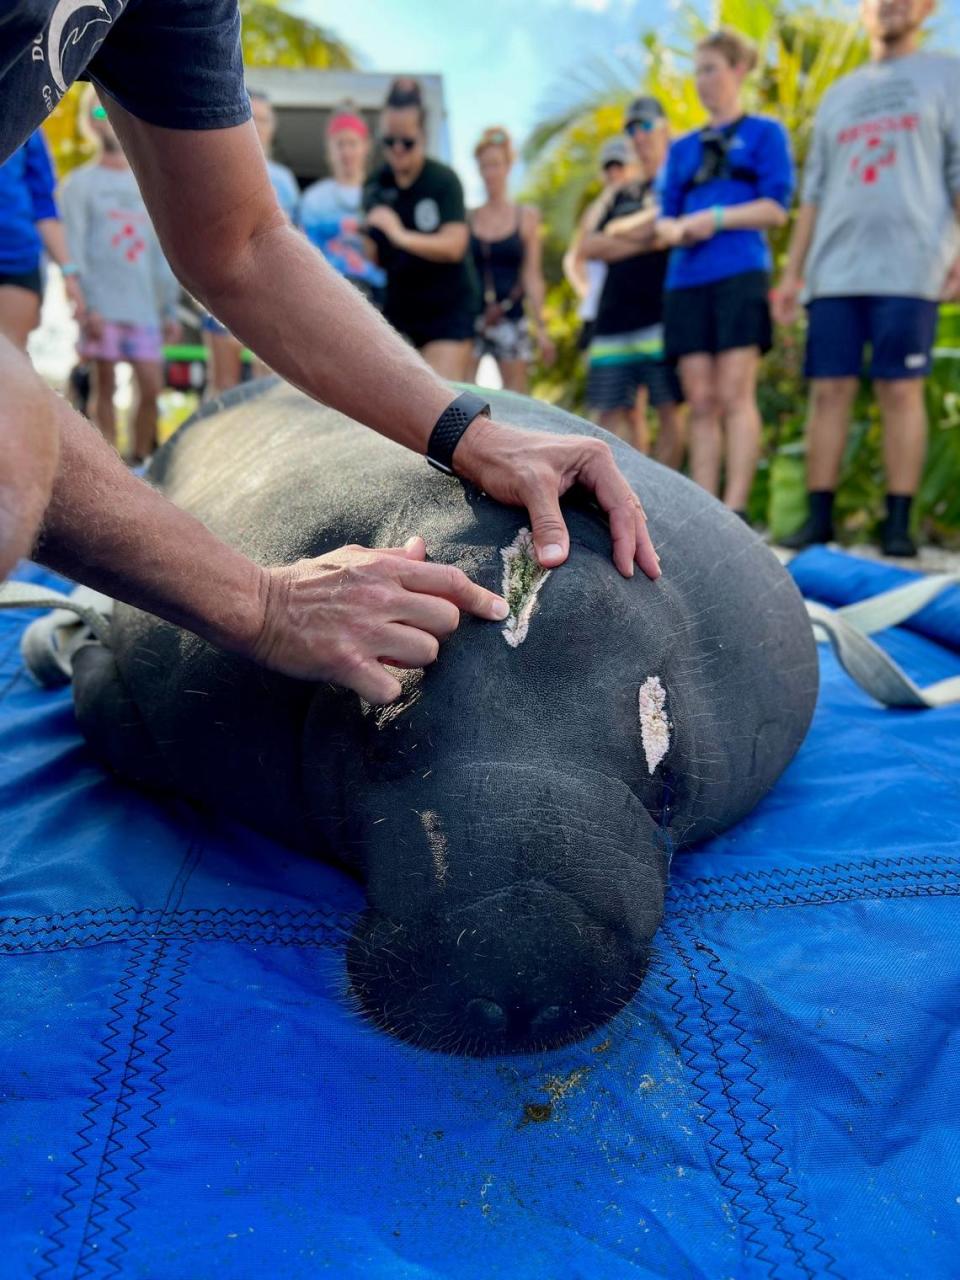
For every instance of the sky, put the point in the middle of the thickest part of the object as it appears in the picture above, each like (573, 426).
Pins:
(502, 60)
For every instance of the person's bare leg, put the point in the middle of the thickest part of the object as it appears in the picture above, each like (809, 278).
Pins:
(737, 393)
(698, 377)
(639, 428)
(19, 314)
(828, 418)
(103, 413)
(671, 442)
(449, 359)
(149, 379)
(618, 422)
(224, 364)
(473, 367)
(904, 416)
(514, 375)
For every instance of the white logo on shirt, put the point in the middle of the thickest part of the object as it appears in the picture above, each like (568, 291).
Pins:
(426, 215)
(59, 38)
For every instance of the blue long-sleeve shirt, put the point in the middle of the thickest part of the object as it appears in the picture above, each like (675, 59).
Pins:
(27, 184)
(760, 166)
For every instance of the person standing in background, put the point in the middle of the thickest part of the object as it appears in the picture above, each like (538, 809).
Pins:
(507, 255)
(330, 210)
(627, 367)
(417, 230)
(224, 351)
(877, 237)
(725, 185)
(587, 275)
(131, 292)
(30, 225)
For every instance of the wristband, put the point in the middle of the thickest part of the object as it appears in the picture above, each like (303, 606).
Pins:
(718, 216)
(450, 426)
(69, 269)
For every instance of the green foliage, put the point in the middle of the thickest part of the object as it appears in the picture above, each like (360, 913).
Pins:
(804, 47)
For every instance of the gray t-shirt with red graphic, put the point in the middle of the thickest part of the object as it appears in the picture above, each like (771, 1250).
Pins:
(884, 171)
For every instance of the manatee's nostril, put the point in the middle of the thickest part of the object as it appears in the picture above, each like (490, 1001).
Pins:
(547, 1020)
(486, 1015)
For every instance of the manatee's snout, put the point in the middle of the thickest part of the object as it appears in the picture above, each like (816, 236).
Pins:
(525, 970)
(537, 932)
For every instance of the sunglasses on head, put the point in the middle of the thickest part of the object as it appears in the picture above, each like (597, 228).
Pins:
(640, 126)
(391, 141)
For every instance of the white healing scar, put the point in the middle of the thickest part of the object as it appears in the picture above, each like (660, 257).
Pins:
(523, 577)
(654, 725)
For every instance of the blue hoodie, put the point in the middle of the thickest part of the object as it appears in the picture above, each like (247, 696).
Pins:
(26, 196)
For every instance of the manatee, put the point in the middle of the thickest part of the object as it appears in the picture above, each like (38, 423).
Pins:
(514, 814)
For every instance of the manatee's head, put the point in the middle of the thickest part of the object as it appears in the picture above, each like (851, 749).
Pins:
(514, 836)
(513, 912)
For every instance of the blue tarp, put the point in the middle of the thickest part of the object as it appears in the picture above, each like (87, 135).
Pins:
(184, 1091)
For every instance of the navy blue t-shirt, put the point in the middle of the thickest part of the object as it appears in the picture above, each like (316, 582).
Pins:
(759, 165)
(174, 63)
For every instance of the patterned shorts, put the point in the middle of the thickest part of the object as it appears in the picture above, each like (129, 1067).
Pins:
(123, 342)
(506, 340)
(620, 364)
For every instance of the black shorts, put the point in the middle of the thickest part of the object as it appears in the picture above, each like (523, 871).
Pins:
(30, 280)
(454, 326)
(722, 316)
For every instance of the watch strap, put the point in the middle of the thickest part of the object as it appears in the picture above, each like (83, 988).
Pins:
(450, 426)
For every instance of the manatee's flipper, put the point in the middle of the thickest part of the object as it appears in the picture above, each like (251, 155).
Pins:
(111, 720)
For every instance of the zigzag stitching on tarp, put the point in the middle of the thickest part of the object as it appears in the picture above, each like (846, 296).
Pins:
(753, 890)
(714, 1113)
(160, 1054)
(113, 1146)
(795, 1207)
(80, 1154)
(94, 925)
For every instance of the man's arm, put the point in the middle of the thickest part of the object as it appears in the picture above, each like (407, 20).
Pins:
(338, 617)
(951, 286)
(28, 454)
(787, 293)
(227, 240)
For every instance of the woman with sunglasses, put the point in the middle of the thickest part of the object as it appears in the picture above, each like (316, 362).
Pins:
(505, 243)
(725, 186)
(417, 228)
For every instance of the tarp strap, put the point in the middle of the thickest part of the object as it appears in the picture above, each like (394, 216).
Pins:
(48, 645)
(847, 630)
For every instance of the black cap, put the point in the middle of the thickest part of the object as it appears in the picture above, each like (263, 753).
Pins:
(644, 109)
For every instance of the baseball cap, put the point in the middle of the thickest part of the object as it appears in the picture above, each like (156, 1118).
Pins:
(645, 109)
(614, 151)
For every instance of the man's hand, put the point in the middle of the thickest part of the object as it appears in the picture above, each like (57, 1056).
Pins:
(93, 326)
(951, 286)
(344, 615)
(533, 469)
(75, 296)
(383, 218)
(785, 299)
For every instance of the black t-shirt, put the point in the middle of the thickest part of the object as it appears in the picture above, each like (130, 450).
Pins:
(174, 63)
(632, 296)
(418, 290)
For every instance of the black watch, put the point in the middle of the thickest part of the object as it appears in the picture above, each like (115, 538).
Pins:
(451, 425)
